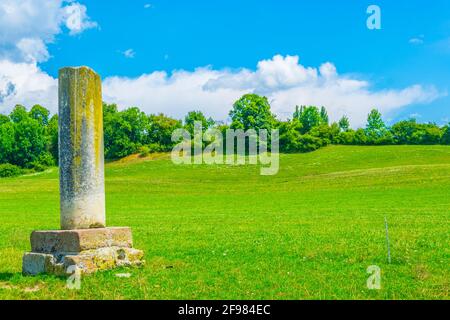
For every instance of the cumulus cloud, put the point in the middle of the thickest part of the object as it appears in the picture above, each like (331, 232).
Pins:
(24, 83)
(27, 26)
(7, 88)
(33, 49)
(284, 80)
(271, 75)
(174, 94)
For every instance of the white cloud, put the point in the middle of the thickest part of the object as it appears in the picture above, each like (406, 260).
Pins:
(148, 6)
(271, 75)
(35, 23)
(129, 53)
(175, 95)
(33, 49)
(27, 26)
(283, 80)
(24, 83)
(7, 88)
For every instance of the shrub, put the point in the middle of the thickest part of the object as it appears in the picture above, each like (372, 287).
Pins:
(293, 141)
(37, 167)
(144, 151)
(156, 147)
(44, 161)
(308, 143)
(446, 135)
(346, 137)
(9, 170)
(326, 132)
(289, 141)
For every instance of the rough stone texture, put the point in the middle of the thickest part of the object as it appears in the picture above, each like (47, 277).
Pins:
(88, 261)
(81, 159)
(36, 263)
(84, 241)
(74, 241)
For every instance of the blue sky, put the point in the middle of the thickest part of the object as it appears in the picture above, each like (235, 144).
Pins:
(412, 48)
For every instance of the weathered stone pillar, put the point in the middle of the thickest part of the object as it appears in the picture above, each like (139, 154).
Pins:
(84, 241)
(81, 160)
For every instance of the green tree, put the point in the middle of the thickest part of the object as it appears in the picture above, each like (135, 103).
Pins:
(360, 137)
(194, 116)
(375, 124)
(29, 142)
(40, 114)
(344, 123)
(427, 134)
(52, 137)
(309, 117)
(161, 129)
(403, 131)
(327, 133)
(252, 112)
(125, 132)
(376, 130)
(347, 137)
(445, 135)
(6, 141)
(290, 135)
(109, 109)
(18, 114)
(4, 119)
(137, 125)
(411, 132)
(23, 140)
(324, 115)
(117, 132)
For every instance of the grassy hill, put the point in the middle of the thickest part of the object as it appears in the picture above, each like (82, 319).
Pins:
(226, 232)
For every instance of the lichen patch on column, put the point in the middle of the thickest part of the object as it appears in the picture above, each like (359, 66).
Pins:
(81, 149)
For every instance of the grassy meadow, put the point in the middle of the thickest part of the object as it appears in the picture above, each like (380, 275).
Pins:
(226, 232)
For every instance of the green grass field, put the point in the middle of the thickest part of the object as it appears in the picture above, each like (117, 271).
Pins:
(226, 232)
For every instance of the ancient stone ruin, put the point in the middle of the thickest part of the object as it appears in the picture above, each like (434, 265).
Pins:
(84, 240)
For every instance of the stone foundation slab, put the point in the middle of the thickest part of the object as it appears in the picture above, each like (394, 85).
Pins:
(65, 241)
(90, 250)
(86, 262)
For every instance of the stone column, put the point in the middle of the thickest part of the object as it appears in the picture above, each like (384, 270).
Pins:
(84, 242)
(81, 159)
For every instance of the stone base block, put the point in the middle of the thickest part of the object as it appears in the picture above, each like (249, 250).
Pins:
(90, 250)
(86, 261)
(80, 240)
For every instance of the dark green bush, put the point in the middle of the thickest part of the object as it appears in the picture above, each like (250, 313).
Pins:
(46, 159)
(9, 170)
(446, 135)
(37, 167)
(308, 143)
(144, 151)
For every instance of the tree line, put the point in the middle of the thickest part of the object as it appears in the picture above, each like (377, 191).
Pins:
(29, 139)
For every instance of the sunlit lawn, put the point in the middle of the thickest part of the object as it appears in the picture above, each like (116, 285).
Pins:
(226, 232)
